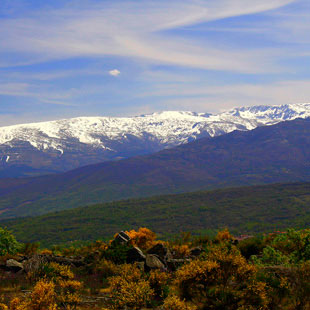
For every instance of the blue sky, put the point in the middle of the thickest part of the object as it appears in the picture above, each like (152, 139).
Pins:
(62, 59)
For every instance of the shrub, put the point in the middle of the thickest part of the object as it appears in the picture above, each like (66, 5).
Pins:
(8, 243)
(271, 257)
(250, 246)
(3, 307)
(133, 294)
(224, 280)
(175, 303)
(54, 272)
(223, 235)
(43, 296)
(159, 283)
(129, 289)
(30, 248)
(117, 253)
(144, 238)
(106, 268)
(180, 251)
(67, 292)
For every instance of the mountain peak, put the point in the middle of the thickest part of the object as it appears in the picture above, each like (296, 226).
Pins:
(68, 143)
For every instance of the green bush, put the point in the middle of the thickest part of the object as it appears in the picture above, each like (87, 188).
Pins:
(8, 243)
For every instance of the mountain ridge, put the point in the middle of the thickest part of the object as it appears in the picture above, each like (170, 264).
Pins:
(57, 146)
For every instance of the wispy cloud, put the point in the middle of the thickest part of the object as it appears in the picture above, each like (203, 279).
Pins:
(33, 91)
(206, 98)
(134, 29)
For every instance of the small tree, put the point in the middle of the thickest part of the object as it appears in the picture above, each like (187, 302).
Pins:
(8, 243)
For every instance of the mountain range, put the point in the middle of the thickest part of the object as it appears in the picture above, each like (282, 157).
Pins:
(267, 154)
(58, 146)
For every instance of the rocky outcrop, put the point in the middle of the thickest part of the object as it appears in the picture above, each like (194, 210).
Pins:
(161, 251)
(153, 262)
(195, 252)
(135, 255)
(121, 238)
(14, 266)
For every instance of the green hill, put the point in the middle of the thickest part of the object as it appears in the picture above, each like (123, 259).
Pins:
(242, 210)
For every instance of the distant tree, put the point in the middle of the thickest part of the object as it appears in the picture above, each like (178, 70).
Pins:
(8, 243)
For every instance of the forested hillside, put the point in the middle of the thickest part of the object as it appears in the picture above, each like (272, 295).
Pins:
(243, 210)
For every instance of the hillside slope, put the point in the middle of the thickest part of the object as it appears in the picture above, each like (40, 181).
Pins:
(58, 146)
(243, 210)
(278, 153)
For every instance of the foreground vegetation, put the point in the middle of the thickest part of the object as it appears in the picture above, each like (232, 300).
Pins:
(249, 273)
(251, 209)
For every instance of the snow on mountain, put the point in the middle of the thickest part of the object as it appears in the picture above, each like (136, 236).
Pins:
(105, 138)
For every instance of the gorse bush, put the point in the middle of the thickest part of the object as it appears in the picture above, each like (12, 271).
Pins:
(175, 303)
(144, 238)
(129, 289)
(42, 297)
(3, 307)
(159, 282)
(223, 280)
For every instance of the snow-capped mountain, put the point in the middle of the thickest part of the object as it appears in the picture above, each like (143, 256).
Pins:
(65, 144)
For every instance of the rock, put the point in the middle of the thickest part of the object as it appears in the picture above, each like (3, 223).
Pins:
(62, 260)
(13, 265)
(121, 238)
(161, 251)
(153, 262)
(135, 255)
(33, 263)
(195, 251)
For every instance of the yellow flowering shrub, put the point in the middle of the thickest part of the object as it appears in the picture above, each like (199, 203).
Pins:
(130, 273)
(159, 282)
(223, 280)
(68, 293)
(144, 238)
(223, 235)
(46, 252)
(133, 294)
(194, 277)
(129, 289)
(17, 304)
(180, 251)
(3, 307)
(175, 303)
(43, 296)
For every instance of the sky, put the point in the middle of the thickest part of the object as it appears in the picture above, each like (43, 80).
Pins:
(61, 59)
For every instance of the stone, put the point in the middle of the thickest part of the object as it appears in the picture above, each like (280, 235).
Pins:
(153, 262)
(121, 238)
(13, 265)
(135, 255)
(195, 251)
(161, 251)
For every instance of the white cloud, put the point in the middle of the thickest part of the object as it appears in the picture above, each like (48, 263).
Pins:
(201, 97)
(114, 72)
(134, 29)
